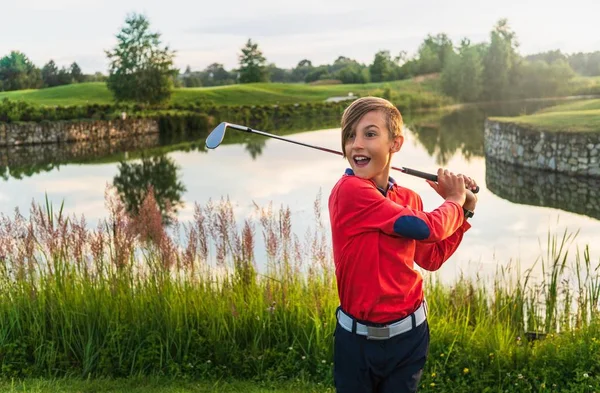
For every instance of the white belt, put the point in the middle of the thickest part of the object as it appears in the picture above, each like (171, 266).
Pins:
(383, 333)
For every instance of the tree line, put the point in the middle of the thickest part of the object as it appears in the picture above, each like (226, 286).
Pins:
(17, 72)
(472, 71)
(141, 68)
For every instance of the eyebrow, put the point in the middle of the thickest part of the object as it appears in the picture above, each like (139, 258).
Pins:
(370, 126)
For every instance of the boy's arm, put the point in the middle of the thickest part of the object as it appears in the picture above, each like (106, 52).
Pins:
(431, 256)
(363, 208)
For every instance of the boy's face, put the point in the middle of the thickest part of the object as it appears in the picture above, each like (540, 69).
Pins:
(370, 147)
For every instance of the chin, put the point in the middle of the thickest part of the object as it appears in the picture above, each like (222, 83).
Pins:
(362, 173)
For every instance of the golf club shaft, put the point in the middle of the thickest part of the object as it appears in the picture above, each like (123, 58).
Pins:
(408, 171)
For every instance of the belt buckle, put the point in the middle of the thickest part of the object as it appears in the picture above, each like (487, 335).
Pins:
(378, 333)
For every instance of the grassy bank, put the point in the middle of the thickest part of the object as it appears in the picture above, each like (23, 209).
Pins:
(247, 94)
(156, 385)
(569, 121)
(130, 299)
(577, 116)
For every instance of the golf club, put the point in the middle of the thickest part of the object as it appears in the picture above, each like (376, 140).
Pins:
(215, 138)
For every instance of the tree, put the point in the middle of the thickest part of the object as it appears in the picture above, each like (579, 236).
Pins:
(280, 75)
(501, 63)
(300, 72)
(190, 78)
(433, 54)
(549, 56)
(540, 79)
(352, 73)
(252, 64)
(587, 64)
(64, 76)
(50, 74)
(96, 77)
(76, 73)
(17, 72)
(216, 75)
(462, 73)
(141, 69)
(382, 68)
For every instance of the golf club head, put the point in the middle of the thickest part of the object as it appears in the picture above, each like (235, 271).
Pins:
(215, 138)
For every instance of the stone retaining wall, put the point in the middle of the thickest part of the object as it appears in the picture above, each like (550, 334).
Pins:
(24, 159)
(566, 152)
(13, 134)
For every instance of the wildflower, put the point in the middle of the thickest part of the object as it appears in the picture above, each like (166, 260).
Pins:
(465, 370)
(432, 384)
(303, 357)
(520, 376)
(586, 375)
(433, 375)
(442, 355)
(291, 348)
(323, 361)
(208, 361)
(491, 354)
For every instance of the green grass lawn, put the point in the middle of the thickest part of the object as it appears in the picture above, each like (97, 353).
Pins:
(247, 94)
(573, 120)
(77, 94)
(579, 105)
(153, 385)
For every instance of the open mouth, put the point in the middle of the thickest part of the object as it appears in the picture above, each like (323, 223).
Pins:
(361, 161)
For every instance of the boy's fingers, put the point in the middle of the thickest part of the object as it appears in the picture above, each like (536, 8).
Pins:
(433, 184)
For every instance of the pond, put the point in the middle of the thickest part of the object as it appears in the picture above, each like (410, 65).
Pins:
(517, 208)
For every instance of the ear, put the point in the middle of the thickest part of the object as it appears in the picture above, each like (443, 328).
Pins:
(397, 144)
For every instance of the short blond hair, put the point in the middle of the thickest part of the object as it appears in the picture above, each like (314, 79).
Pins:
(355, 111)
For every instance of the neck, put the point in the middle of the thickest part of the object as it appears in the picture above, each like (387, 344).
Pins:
(383, 178)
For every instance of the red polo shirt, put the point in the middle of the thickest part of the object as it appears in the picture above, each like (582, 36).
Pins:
(377, 237)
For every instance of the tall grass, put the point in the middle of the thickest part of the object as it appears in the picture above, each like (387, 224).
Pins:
(133, 298)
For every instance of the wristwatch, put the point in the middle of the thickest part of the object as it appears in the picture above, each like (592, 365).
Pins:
(468, 213)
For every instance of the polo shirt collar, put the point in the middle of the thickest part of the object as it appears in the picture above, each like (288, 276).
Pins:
(391, 181)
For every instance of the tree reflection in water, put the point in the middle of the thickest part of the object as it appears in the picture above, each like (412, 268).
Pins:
(159, 173)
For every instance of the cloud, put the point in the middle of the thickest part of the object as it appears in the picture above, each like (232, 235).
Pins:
(278, 25)
(44, 5)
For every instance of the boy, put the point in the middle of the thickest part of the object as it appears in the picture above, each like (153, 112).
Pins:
(379, 230)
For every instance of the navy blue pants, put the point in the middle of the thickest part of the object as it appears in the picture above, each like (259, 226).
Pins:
(379, 366)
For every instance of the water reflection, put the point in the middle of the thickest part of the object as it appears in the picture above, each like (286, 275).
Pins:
(445, 134)
(255, 147)
(442, 133)
(134, 179)
(535, 187)
(451, 138)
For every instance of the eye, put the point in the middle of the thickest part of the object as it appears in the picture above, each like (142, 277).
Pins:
(371, 134)
(351, 136)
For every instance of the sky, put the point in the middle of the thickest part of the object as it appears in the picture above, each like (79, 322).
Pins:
(205, 32)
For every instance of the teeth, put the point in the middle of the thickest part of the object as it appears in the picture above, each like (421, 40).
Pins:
(360, 158)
